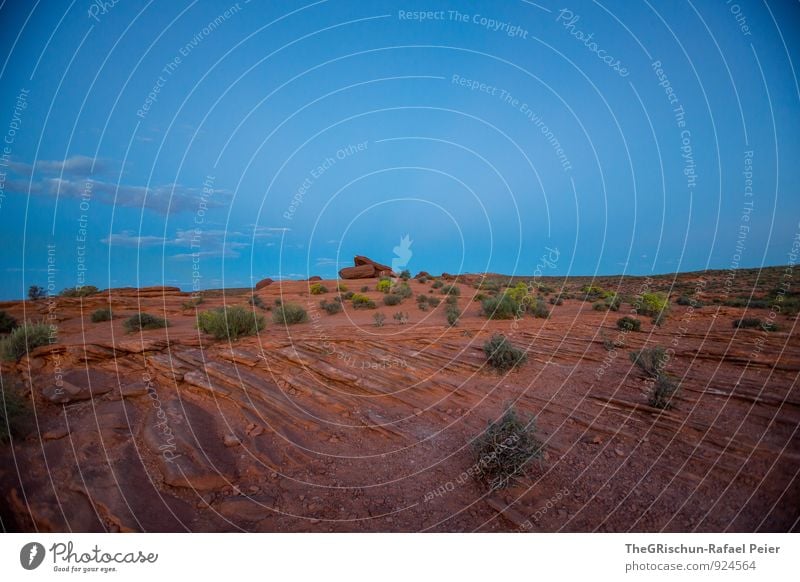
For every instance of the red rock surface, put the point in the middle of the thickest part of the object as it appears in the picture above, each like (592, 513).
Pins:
(337, 425)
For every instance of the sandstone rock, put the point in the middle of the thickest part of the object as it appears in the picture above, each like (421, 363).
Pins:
(360, 272)
(247, 508)
(422, 274)
(315, 278)
(264, 283)
(359, 260)
(79, 385)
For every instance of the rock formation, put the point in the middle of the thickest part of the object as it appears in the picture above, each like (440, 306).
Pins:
(365, 268)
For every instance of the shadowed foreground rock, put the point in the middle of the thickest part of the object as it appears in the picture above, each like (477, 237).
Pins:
(365, 268)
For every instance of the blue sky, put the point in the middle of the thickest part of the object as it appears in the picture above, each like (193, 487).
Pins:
(213, 144)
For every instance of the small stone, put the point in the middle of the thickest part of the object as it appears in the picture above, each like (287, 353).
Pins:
(230, 440)
(257, 431)
(597, 440)
(619, 452)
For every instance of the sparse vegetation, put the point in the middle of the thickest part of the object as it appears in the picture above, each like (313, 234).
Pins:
(35, 292)
(255, 301)
(452, 290)
(502, 354)
(318, 289)
(437, 284)
(378, 319)
(686, 300)
(194, 302)
(434, 301)
(754, 322)
(652, 304)
(505, 449)
(663, 389)
(25, 338)
(403, 290)
(101, 315)
(384, 285)
(452, 313)
(341, 288)
(629, 324)
(143, 321)
(651, 360)
(331, 307)
(364, 289)
(230, 323)
(392, 299)
(422, 302)
(405, 274)
(401, 317)
(289, 314)
(362, 302)
(7, 322)
(347, 295)
(82, 291)
(539, 309)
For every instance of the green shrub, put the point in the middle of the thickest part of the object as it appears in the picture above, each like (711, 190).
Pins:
(453, 290)
(332, 307)
(403, 290)
(35, 293)
(423, 280)
(362, 302)
(505, 449)
(451, 300)
(7, 323)
(687, 300)
(83, 291)
(501, 307)
(379, 318)
(629, 324)
(289, 314)
(101, 315)
(25, 338)
(347, 295)
(230, 323)
(661, 392)
(437, 284)
(401, 317)
(557, 300)
(651, 360)
(392, 299)
(318, 289)
(452, 313)
(384, 285)
(142, 321)
(539, 309)
(364, 289)
(518, 292)
(434, 301)
(652, 304)
(255, 301)
(341, 288)
(405, 274)
(502, 354)
(592, 292)
(13, 412)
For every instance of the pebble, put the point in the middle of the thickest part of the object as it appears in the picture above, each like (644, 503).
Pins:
(230, 440)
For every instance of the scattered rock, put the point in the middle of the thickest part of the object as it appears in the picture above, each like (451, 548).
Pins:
(79, 385)
(264, 283)
(231, 441)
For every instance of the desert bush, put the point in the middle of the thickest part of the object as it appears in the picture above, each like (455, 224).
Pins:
(379, 318)
(453, 290)
(502, 354)
(452, 313)
(364, 289)
(753, 322)
(451, 300)
(230, 323)
(317, 289)
(651, 360)
(437, 284)
(629, 324)
(142, 321)
(362, 302)
(331, 307)
(289, 314)
(539, 309)
(403, 290)
(7, 322)
(423, 280)
(193, 302)
(613, 301)
(434, 301)
(82, 291)
(592, 292)
(687, 300)
(101, 315)
(661, 392)
(255, 301)
(24, 338)
(518, 292)
(392, 299)
(401, 317)
(505, 449)
(341, 288)
(13, 411)
(35, 292)
(384, 285)
(501, 307)
(405, 274)
(652, 304)
(347, 295)
(557, 300)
